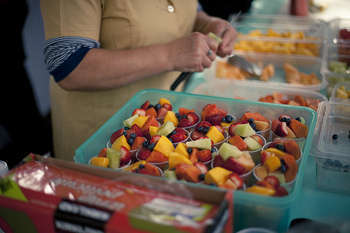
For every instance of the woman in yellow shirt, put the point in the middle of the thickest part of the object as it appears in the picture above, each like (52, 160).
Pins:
(101, 52)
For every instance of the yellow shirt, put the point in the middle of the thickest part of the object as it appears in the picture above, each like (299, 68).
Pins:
(116, 24)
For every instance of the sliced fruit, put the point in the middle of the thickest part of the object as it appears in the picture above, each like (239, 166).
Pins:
(260, 190)
(264, 155)
(243, 130)
(215, 119)
(187, 172)
(292, 167)
(185, 111)
(204, 155)
(164, 146)
(204, 143)
(161, 113)
(280, 192)
(236, 180)
(259, 139)
(215, 135)
(179, 135)
(102, 153)
(168, 107)
(212, 109)
(281, 129)
(153, 130)
(125, 156)
(279, 176)
(156, 157)
(182, 149)
(134, 166)
(151, 112)
(114, 158)
(218, 161)
(290, 133)
(292, 148)
(163, 101)
(116, 135)
(99, 161)
(246, 161)
(138, 143)
(253, 115)
(238, 142)
(148, 169)
(176, 159)
(232, 165)
(217, 176)
(189, 120)
(273, 180)
(140, 120)
(261, 172)
(166, 128)
(276, 152)
(193, 155)
(202, 167)
(300, 130)
(151, 121)
(261, 125)
(143, 154)
(139, 111)
(119, 142)
(170, 175)
(272, 163)
(274, 125)
(227, 150)
(145, 105)
(154, 139)
(134, 130)
(170, 116)
(196, 135)
(252, 144)
(128, 122)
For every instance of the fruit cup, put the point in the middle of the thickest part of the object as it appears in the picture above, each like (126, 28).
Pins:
(132, 152)
(140, 156)
(215, 132)
(258, 177)
(266, 133)
(118, 169)
(143, 167)
(287, 127)
(179, 135)
(188, 120)
(285, 145)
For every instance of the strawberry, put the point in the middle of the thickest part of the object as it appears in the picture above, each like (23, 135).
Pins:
(273, 180)
(151, 112)
(264, 155)
(125, 156)
(193, 118)
(138, 142)
(145, 105)
(265, 184)
(215, 119)
(212, 109)
(143, 154)
(116, 135)
(203, 124)
(204, 155)
(139, 111)
(134, 130)
(102, 153)
(201, 167)
(280, 191)
(154, 139)
(185, 111)
(196, 135)
(179, 135)
(236, 180)
(218, 161)
(161, 113)
(168, 107)
(220, 128)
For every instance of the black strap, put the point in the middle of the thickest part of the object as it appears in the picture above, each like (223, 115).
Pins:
(182, 77)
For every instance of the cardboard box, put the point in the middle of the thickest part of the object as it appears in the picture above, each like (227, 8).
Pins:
(49, 195)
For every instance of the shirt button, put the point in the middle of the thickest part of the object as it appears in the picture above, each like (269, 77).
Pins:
(171, 9)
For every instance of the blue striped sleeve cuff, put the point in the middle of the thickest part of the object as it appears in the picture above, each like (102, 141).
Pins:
(63, 54)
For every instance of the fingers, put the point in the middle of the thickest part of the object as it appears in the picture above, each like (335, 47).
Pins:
(228, 39)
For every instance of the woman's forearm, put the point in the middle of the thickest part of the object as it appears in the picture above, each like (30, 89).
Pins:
(106, 69)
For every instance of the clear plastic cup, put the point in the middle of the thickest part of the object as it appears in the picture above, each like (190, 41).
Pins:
(185, 140)
(256, 153)
(300, 141)
(288, 185)
(266, 133)
(3, 168)
(189, 128)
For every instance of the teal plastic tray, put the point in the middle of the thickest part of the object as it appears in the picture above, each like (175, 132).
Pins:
(250, 210)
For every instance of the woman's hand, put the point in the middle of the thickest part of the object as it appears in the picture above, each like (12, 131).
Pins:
(192, 53)
(219, 27)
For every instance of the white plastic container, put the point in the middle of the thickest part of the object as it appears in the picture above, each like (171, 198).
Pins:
(332, 154)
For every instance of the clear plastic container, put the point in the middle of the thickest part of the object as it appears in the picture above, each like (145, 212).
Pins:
(332, 153)
(336, 96)
(252, 91)
(276, 40)
(250, 209)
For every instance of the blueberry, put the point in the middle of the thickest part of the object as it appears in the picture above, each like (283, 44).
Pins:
(213, 150)
(228, 118)
(131, 141)
(335, 136)
(242, 137)
(171, 140)
(172, 133)
(253, 125)
(141, 166)
(177, 115)
(126, 128)
(205, 129)
(212, 184)
(189, 150)
(157, 107)
(224, 119)
(145, 143)
(133, 135)
(200, 129)
(250, 120)
(298, 119)
(283, 166)
(280, 147)
(285, 119)
(151, 146)
(125, 133)
(150, 106)
(201, 177)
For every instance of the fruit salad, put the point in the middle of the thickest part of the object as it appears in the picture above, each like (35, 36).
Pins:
(288, 127)
(282, 146)
(297, 100)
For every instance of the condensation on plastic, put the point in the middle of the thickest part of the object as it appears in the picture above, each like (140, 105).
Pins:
(124, 193)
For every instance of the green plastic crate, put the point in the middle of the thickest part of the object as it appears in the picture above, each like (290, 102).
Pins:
(250, 210)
